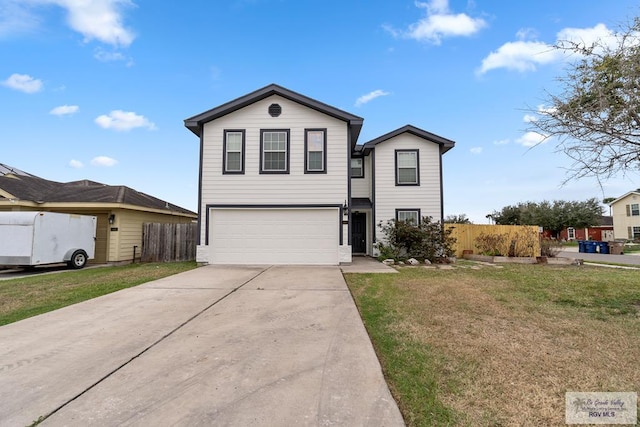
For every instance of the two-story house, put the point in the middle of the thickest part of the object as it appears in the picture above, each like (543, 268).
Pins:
(626, 216)
(283, 180)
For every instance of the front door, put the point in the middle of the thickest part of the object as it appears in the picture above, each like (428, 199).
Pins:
(359, 232)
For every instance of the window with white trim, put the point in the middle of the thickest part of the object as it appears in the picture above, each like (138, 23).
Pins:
(407, 172)
(634, 209)
(634, 233)
(233, 151)
(315, 144)
(357, 167)
(411, 216)
(274, 151)
(571, 233)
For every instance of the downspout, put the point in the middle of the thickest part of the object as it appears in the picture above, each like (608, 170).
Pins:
(349, 152)
(441, 190)
(199, 236)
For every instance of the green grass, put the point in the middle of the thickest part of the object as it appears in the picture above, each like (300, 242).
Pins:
(402, 311)
(21, 298)
(410, 367)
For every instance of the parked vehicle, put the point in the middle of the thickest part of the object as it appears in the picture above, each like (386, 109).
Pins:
(29, 239)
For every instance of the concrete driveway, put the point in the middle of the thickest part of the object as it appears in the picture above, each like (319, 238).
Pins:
(237, 346)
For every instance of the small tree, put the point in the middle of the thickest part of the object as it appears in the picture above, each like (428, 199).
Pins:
(427, 240)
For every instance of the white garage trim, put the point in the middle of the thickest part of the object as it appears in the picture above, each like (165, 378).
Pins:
(274, 235)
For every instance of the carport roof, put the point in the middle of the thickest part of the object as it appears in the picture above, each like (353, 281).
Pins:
(31, 188)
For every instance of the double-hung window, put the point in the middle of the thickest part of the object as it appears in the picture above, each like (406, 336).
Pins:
(633, 209)
(407, 170)
(315, 151)
(357, 167)
(233, 157)
(411, 216)
(274, 151)
(634, 233)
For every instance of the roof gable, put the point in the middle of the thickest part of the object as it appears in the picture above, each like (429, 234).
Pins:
(195, 123)
(637, 193)
(445, 144)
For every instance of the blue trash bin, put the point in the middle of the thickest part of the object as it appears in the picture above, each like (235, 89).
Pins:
(581, 246)
(590, 247)
(603, 247)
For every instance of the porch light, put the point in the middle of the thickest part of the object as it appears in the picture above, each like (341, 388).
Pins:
(112, 219)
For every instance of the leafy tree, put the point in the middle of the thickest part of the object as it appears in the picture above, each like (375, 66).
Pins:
(553, 216)
(596, 115)
(457, 219)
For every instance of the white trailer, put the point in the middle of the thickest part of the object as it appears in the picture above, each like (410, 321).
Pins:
(37, 238)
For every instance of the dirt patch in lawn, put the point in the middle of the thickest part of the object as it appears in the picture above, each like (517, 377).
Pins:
(513, 358)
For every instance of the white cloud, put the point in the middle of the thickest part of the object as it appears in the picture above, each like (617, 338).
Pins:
(64, 110)
(520, 56)
(476, 150)
(439, 23)
(370, 97)
(523, 55)
(101, 20)
(501, 142)
(123, 121)
(528, 118)
(531, 139)
(23, 82)
(76, 164)
(103, 161)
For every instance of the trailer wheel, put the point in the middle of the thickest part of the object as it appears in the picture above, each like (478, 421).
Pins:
(78, 259)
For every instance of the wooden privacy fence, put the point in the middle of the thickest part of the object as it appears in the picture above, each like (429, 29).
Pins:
(526, 238)
(168, 242)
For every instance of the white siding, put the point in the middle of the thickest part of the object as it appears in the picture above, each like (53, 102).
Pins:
(389, 197)
(295, 188)
(361, 187)
(622, 222)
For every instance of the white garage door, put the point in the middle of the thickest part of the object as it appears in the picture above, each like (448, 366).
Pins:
(274, 236)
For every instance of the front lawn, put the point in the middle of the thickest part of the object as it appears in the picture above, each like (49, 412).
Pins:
(30, 296)
(488, 346)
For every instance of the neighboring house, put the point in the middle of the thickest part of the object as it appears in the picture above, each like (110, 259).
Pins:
(283, 180)
(120, 210)
(602, 232)
(626, 216)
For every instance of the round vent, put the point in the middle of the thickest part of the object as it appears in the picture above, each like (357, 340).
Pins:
(275, 110)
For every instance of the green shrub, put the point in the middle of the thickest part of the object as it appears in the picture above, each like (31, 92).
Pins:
(403, 240)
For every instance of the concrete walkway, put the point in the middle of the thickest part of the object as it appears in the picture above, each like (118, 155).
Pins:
(224, 346)
(366, 264)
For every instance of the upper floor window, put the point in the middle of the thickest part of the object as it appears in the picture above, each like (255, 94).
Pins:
(233, 149)
(411, 216)
(633, 209)
(357, 167)
(407, 170)
(274, 151)
(315, 147)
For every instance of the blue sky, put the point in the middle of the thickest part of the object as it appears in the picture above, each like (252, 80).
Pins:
(99, 89)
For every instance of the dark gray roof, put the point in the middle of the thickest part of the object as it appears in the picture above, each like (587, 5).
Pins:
(606, 221)
(195, 123)
(445, 144)
(34, 189)
(361, 203)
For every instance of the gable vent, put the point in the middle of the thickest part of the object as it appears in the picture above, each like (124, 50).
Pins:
(275, 110)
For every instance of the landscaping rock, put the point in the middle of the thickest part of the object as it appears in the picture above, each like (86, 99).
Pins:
(426, 261)
(413, 261)
(389, 261)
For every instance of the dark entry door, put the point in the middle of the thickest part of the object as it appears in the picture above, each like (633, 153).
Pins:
(359, 232)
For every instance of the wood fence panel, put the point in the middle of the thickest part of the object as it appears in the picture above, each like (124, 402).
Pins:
(168, 242)
(466, 234)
